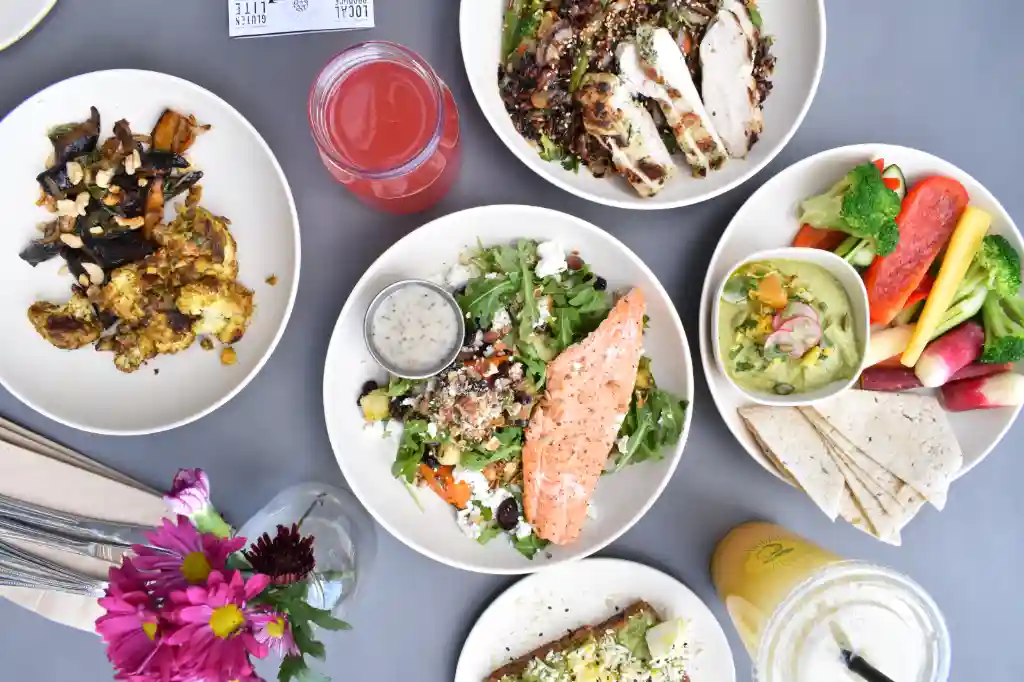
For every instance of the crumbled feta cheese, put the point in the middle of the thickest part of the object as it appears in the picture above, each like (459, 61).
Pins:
(622, 444)
(471, 521)
(552, 259)
(544, 312)
(501, 319)
(432, 430)
(480, 488)
(408, 402)
(522, 529)
(491, 275)
(460, 275)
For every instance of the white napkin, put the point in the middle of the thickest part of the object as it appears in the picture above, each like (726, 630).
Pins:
(38, 471)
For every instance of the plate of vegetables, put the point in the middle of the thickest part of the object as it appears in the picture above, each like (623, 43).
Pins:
(940, 260)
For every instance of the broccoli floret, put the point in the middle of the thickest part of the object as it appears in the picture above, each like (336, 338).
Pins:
(995, 269)
(1004, 329)
(998, 265)
(861, 205)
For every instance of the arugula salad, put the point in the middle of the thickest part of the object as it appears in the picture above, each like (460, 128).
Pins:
(463, 429)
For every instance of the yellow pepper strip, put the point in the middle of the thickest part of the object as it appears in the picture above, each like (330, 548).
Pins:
(966, 239)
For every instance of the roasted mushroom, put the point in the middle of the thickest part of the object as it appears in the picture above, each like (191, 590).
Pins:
(75, 139)
(68, 326)
(154, 206)
(159, 162)
(55, 181)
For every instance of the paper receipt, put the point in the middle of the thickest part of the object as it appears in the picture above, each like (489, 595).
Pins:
(248, 18)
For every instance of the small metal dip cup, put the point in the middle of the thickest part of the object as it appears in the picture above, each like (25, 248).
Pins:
(443, 362)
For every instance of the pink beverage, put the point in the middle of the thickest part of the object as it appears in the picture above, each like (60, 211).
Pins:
(387, 127)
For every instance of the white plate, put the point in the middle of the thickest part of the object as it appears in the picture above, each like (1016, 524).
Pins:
(768, 220)
(799, 30)
(243, 181)
(19, 17)
(540, 608)
(365, 457)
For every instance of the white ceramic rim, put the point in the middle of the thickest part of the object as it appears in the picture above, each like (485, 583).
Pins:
(648, 205)
(291, 294)
(44, 11)
(512, 591)
(797, 254)
(866, 150)
(480, 213)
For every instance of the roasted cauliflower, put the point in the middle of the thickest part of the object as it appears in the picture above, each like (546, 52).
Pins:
(200, 245)
(223, 308)
(68, 326)
(131, 349)
(169, 331)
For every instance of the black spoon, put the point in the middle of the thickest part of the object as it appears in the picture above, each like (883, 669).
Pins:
(855, 663)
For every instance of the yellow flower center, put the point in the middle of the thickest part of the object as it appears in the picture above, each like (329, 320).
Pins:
(275, 628)
(150, 630)
(226, 620)
(195, 568)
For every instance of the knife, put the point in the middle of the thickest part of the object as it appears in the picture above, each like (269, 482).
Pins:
(12, 529)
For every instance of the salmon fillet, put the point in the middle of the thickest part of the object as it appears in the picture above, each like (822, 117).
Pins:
(571, 432)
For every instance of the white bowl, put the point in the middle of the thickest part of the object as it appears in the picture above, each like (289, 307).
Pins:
(242, 181)
(851, 282)
(799, 30)
(768, 220)
(427, 524)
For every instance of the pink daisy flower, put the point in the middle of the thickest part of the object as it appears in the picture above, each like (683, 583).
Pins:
(215, 636)
(273, 630)
(130, 627)
(181, 556)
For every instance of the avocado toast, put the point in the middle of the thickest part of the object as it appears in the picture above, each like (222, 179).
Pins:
(615, 649)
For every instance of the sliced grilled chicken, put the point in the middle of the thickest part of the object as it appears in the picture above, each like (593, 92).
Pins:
(626, 130)
(727, 69)
(654, 66)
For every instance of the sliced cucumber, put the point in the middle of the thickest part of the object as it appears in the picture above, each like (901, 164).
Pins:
(893, 172)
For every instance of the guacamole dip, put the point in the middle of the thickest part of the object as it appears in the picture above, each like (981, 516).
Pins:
(786, 327)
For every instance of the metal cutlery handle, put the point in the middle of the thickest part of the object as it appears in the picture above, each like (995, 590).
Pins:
(19, 568)
(16, 530)
(73, 525)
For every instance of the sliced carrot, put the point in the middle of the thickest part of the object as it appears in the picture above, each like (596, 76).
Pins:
(813, 238)
(770, 292)
(442, 482)
(687, 43)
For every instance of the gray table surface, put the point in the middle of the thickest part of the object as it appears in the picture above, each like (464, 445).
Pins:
(939, 75)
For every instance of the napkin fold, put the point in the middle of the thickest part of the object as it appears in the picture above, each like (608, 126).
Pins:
(34, 469)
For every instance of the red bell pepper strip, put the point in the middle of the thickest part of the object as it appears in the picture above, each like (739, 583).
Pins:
(926, 222)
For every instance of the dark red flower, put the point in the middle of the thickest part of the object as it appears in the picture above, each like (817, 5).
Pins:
(287, 557)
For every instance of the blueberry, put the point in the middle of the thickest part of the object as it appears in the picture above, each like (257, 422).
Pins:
(524, 398)
(600, 283)
(508, 514)
(430, 460)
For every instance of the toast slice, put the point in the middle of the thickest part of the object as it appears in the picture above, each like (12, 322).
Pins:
(574, 639)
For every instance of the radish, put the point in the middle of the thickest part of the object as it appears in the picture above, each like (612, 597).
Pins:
(948, 354)
(997, 390)
(895, 379)
(797, 336)
(795, 309)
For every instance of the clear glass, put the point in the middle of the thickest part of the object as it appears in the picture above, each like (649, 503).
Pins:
(788, 629)
(345, 541)
(415, 184)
